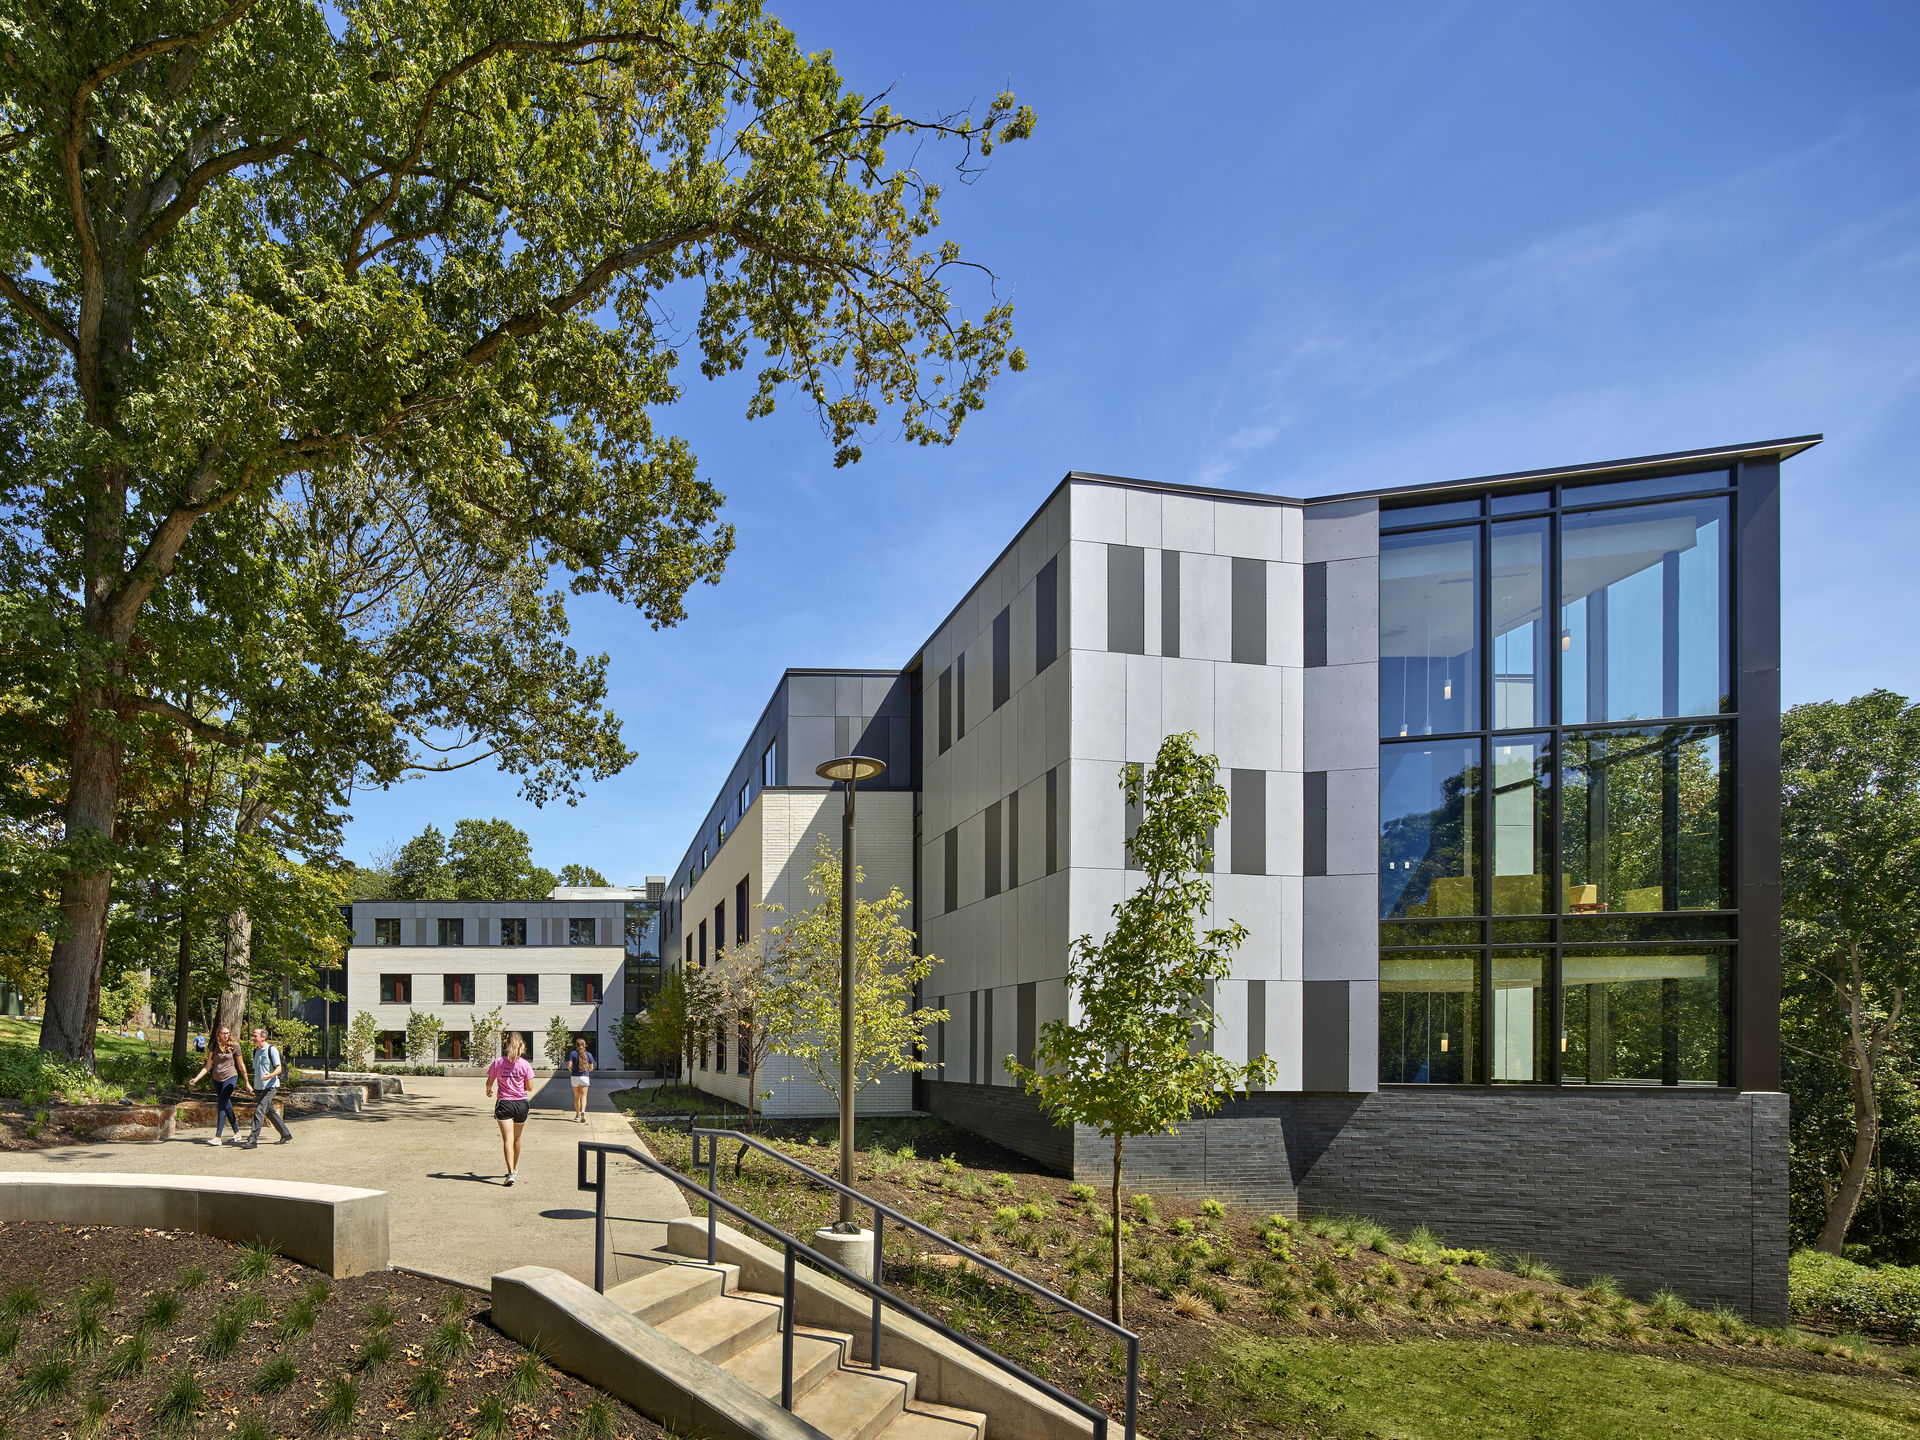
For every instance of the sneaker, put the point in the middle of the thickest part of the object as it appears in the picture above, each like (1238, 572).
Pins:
(512, 1175)
(215, 1140)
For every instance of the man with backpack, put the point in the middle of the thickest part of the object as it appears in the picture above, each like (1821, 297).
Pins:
(268, 1069)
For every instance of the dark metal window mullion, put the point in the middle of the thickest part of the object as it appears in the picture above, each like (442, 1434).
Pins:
(1485, 654)
(1556, 876)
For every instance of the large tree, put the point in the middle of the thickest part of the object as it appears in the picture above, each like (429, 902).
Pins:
(271, 252)
(1850, 881)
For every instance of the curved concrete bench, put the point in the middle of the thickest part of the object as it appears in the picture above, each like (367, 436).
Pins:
(334, 1229)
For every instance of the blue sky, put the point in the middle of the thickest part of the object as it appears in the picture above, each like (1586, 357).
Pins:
(1305, 249)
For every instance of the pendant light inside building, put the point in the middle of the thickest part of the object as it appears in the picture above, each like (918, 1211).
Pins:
(1443, 1042)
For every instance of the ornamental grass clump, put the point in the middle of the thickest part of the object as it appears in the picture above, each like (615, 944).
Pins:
(45, 1382)
(21, 1302)
(427, 1388)
(335, 1411)
(96, 1294)
(255, 1263)
(275, 1375)
(375, 1351)
(160, 1311)
(180, 1402)
(129, 1358)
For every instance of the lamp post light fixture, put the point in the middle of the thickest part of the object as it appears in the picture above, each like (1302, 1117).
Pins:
(847, 771)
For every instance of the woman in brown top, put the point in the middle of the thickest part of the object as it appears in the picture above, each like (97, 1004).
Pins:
(224, 1064)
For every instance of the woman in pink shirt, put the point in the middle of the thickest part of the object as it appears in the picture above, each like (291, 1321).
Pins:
(513, 1075)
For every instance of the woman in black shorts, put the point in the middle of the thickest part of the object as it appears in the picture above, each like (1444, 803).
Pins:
(514, 1076)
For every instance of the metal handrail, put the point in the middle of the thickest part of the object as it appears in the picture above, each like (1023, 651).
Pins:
(794, 1249)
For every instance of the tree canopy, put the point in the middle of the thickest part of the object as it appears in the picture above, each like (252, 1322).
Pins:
(304, 302)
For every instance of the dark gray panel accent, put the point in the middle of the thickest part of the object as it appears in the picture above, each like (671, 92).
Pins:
(1314, 604)
(1323, 1050)
(951, 867)
(1249, 611)
(989, 1061)
(1756, 568)
(1133, 825)
(960, 695)
(1025, 1028)
(1256, 1019)
(1002, 657)
(940, 1038)
(993, 848)
(1247, 799)
(1127, 599)
(1013, 839)
(1046, 615)
(1053, 820)
(946, 710)
(973, 1037)
(1313, 822)
(1170, 602)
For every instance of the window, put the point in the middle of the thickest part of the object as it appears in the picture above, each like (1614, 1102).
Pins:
(1170, 603)
(1053, 820)
(706, 856)
(453, 932)
(960, 695)
(386, 932)
(769, 772)
(689, 952)
(740, 911)
(1430, 632)
(1002, 657)
(992, 857)
(1247, 820)
(586, 990)
(456, 989)
(523, 989)
(746, 798)
(580, 932)
(703, 944)
(396, 989)
(719, 928)
(720, 837)
(1249, 611)
(513, 932)
(1557, 848)
(1046, 615)
(950, 868)
(391, 1045)
(1127, 599)
(453, 1045)
(1013, 839)
(720, 1048)
(946, 710)
(1643, 612)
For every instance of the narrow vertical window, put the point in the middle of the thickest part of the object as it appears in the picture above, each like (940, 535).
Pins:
(1314, 823)
(1053, 820)
(987, 1053)
(974, 1046)
(993, 848)
(960, 695)
(1025, 1024)
(703, 945)
(769, 766)
(1313, 584)
(946, 710)
(1002, 657)
(951, 867)
(1170, 603)
(740, 912)
(1249, 611)
(719, 928)
(1127, 599)
(1046, 615)
(1247, 791)
(940, 1039)
(1013, 839)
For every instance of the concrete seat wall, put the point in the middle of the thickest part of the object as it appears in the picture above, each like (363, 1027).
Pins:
(335, 1229)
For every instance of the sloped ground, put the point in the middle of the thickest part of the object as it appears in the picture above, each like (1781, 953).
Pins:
(1254, 1325)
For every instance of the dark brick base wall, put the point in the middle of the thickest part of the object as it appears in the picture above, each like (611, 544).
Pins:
(1659, 1189)
(1003, 1115)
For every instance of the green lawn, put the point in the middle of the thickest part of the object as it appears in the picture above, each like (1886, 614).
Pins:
(1439, 1388)
(17, 1030)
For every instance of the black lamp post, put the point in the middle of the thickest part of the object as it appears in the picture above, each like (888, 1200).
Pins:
(849, 771)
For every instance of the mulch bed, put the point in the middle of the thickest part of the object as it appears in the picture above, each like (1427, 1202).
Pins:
(57, 1261)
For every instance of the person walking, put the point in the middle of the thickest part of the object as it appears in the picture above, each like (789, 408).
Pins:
(513, 1075)
(580, 1066)
(229, 1072)
(269, 1067)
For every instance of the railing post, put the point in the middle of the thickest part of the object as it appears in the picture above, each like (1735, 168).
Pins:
(600, 1221)
(1133, 1384)
(786, 1339)
(873, 1352)
(713, 1186)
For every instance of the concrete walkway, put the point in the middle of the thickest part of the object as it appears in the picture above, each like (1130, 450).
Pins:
(436, 1152)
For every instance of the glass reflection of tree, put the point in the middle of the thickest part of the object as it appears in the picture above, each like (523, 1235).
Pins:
(1642, 818)
(1432, 845)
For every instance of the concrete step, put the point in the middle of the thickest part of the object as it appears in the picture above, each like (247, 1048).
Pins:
(816, 1355)
(856, 1404)
(673, 1290)
(720, 1328)
(924, 1420)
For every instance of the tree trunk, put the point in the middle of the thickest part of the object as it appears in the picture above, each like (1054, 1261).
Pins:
(239, 940)
(1853, 1180)
(182, 993)
(73, 972)
(1119, 1283)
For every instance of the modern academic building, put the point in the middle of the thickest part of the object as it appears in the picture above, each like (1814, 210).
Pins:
(1503, 763)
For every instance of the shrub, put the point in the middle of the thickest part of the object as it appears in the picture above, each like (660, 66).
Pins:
(363, 1033)
(1082, 1193)
(1528, 1268)
(336, 1410)
(1144, 1209)
(180, 1401)
(950, 1164)
(558, 1040)
(1213, 1210)
(1666, 1309)
(1880, 1300)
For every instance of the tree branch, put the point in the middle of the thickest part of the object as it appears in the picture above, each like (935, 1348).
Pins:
(204, 729)
(38, 313)
(199, 178)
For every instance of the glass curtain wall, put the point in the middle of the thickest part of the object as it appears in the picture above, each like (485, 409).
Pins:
(1556, 802)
